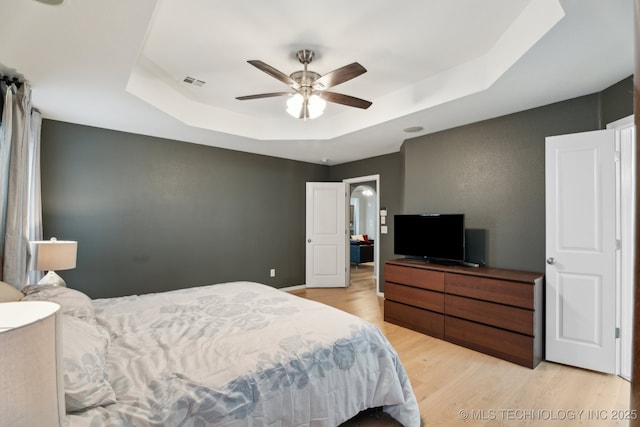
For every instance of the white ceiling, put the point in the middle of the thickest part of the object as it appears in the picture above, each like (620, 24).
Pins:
(437, 64)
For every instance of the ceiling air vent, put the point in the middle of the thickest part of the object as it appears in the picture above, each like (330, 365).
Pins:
(193, 81)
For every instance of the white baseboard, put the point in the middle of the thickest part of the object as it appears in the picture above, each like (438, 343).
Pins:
(292, 288)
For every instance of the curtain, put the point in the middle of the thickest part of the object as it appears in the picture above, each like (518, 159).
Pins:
(34, 204)
(19, 182)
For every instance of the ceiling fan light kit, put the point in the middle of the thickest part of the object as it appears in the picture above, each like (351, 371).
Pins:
(310, 98)
(315, 106)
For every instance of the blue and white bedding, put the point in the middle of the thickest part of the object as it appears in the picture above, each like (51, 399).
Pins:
(234, 354)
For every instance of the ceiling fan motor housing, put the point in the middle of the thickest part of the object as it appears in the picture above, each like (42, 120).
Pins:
(304, 77)
(305, 56)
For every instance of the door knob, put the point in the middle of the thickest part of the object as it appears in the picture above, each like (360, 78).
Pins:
(308, 240)
(551, 260)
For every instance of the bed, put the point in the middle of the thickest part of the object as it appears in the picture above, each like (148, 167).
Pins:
(232, 354)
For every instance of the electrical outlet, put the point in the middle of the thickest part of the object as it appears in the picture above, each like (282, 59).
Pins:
(273, 272)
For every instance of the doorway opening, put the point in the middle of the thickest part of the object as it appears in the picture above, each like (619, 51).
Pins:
(364, 223)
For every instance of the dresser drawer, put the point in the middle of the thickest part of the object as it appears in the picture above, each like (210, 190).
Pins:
(416, 297)
(495, 290)
(417, 277)
(506, 345)
(491, 310)
(420, 320)
(503, 316)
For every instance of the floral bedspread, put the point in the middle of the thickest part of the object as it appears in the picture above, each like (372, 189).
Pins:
(243, 354)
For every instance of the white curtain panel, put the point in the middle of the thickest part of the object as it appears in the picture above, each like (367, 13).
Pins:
(5, 151)
(14, 186)
(34, 208)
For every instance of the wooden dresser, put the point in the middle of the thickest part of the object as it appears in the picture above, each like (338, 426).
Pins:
(491, 310)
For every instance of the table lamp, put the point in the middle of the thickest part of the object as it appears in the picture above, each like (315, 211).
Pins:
(51, 255)
(32, 391)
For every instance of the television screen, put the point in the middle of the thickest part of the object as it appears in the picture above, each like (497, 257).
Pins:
(435, 237)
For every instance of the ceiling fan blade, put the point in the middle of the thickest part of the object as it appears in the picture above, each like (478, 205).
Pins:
(343, 99)
(338, 76)
(275, 73)
(264, 95)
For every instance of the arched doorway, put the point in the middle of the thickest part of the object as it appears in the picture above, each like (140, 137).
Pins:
(364, 219)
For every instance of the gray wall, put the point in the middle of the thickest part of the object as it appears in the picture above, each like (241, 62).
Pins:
(616, 101)
(493, 172)
(152, 214)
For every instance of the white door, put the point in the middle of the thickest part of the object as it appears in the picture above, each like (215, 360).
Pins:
(581, 250)
(326, 254)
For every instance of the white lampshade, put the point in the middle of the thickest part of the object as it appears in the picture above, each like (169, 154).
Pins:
(32, 380)
(315, 105)
(294, 104)
(51, 255)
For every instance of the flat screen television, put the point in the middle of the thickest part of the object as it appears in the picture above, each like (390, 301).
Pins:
(437, 238)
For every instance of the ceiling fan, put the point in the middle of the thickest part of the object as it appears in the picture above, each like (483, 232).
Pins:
(309, 96)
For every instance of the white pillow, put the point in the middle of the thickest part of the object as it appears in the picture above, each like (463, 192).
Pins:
(84, 347)
(73, 302)
(9, 294)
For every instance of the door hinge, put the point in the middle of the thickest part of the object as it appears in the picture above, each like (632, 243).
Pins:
(616, 156)
(618, 244)
(617, 333)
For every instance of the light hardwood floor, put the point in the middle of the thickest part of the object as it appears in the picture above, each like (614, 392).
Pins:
(457, 386)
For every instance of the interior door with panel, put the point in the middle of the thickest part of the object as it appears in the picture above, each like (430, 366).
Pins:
(326, 244)
(581, 250)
